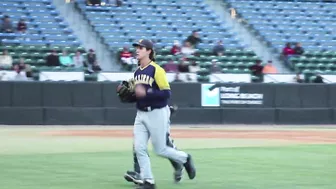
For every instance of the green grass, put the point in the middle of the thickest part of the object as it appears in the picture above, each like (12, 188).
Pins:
(295, 167)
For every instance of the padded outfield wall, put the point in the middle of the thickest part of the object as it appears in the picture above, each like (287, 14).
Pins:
(88, 103)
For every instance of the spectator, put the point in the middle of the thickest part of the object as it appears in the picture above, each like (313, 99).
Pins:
(65, 59)
(269, 68)
(193, 67)
(118, 3)
(187, 49)
(298, 79)
(5, 59)
(188, 78)
(7, 26)
(219, 49)
(22, 65)
(287, 52)
(318, 79)
(53, 59)
(78, 60)
(214, 67)
(22, 26)
(91, 58)
(298, 50)
(19, 75)
(257, 69)
(183, 67)
(177, 77)
(171, 67)
(194, 39)
(126, 57)
(176, 49)
(29, 72)
(94, 68)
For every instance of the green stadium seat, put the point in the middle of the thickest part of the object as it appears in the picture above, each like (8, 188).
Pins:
(43, 49)
(236, 70)
(7, 47)
(20, 49)
(246, 70)
(295, 60)
(328, 72)
(206, 52)
(28, 61)
(165, 51)
(36, 55)
(203, 72)
(206, 65)
(223, 58)
(40, 62)
(237, 52)
(162, 63)
(300, 66)
(322, 66)
(249, 64)
(225, 70)
(241, 65)
(249, 53)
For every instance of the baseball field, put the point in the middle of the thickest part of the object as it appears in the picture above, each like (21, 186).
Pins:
(234, 157)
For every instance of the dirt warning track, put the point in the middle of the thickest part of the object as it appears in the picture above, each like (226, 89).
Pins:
(309, 136)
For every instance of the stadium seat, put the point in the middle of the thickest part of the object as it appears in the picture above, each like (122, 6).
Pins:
(310, 23)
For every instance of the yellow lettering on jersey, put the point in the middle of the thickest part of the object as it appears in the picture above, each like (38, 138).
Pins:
(144, 79)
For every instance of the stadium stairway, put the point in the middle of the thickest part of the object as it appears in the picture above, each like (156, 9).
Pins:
(84, 31)
(260, 48)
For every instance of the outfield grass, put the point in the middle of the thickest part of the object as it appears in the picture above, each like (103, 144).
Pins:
(290, 167)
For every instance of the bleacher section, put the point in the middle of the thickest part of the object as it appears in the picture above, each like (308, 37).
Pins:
(233, 60)
(46, 31)
(311, 23)
(164, 21)
(161, 21)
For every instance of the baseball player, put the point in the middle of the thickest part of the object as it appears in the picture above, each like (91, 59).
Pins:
(152, 92)
(134, 176)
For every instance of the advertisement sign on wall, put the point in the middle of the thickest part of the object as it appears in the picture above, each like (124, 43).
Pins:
(230, 95)
(234, 95)
(210, 98)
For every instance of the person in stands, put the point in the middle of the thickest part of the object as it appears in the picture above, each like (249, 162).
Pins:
(194, 39)
(298, 50)
(269, 68)
(22, 26)
(53, 59)
(287, 52)
(6, 26)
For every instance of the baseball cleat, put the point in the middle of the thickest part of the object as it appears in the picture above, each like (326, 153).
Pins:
(173, 109)
(134, 177)
(146, 185)
(178, 175)
(190, 167)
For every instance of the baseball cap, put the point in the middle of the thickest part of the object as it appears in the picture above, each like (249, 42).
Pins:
(144, 43)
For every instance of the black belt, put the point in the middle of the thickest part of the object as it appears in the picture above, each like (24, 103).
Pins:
(149, 108)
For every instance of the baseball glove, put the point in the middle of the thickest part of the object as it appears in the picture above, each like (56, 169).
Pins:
(126, 92)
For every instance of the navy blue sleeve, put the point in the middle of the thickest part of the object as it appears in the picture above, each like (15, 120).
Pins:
(158, 94)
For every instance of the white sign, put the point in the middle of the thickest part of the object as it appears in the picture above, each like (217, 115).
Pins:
(230, 78)
(185, 77)
(210, 98)
(61, 76)
(232, 95)
(280, 78)
(10, 75)
(115, 76)
(120, 76)
(329, 78)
